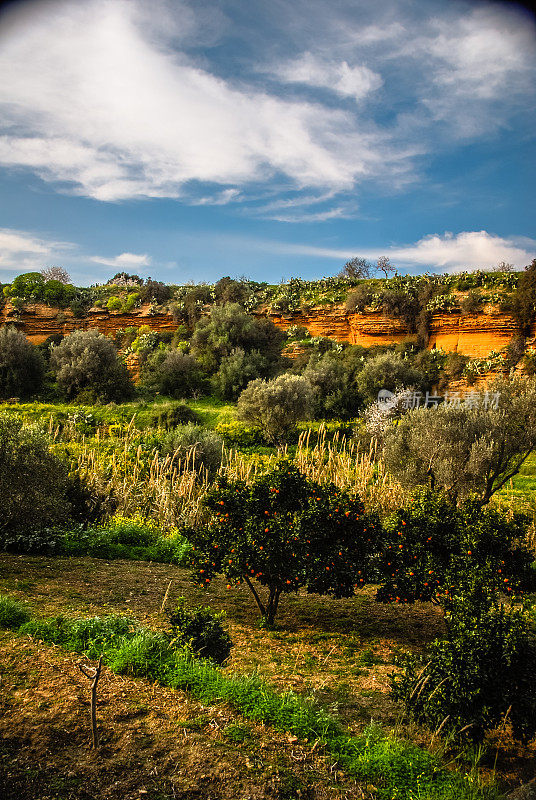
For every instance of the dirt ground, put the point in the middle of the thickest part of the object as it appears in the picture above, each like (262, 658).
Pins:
(159, 743)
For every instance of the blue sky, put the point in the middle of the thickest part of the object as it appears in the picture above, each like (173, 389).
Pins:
(188, 140)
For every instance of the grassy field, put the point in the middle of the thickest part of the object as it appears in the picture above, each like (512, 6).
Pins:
(160, 743)
(522, 488)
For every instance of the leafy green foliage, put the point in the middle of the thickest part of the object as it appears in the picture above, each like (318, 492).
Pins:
(87, 360)
(22, 366)
(285, 532)
(33, 481)
(201, 630)
(173, 373)
(388, 371)
(196, 447)
(229, 328)
(431, 544)
(133, 538)
(333, 381)
(480, 674)
(238, 434)
(237, 370)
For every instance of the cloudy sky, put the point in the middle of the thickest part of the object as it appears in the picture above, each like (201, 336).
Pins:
(187, 140)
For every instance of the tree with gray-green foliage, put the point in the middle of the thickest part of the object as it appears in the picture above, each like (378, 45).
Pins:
(467, 448)
(275, 406)
(33, 482)
(22, 366)
(88, 362)
(388, 371)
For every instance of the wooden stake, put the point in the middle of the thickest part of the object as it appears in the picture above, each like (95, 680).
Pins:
(93, 673)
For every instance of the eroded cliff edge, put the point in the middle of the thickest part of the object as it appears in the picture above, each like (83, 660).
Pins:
(473, 335)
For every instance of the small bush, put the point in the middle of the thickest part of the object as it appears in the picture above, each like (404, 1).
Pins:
(388, 371)
(88, 361)
(201, 630)
(13, 613)
(173, 373)
(481, 673)
(33, 482)
(171, 417)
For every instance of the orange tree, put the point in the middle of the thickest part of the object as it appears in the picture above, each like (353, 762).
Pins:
(284, 532)
(432, 545)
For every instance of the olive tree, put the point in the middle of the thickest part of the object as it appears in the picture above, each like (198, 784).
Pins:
(276, 406)
(473, 447)
(88, 361)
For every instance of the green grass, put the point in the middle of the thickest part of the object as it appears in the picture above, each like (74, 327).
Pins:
(212, 411)
(522, 488)
(399, 770)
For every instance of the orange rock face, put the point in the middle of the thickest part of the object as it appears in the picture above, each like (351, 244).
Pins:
(39, 322)
(474, 335)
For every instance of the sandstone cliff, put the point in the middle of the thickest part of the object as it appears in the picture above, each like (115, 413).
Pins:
(474, 335)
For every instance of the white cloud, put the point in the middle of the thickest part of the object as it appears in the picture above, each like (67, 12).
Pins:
(338, 76)
(479, 65)
(124, 261)
(468, 250)
(21, 251)
(91, 97)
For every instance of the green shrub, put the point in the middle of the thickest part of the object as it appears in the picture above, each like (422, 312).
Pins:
(431, 544)
(22, 366)
(388, 371)
(173, 373)
(28, 286)
(201, 630)
(229, 328)
(33, 481)
(57, 294)
(237, 370)
(114, 303)
(13, 613)
(480, 674)
(88, 361)
(126, 537)
(171, 417)
(276, 406)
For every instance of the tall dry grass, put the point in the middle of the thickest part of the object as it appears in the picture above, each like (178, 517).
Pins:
(169, 489)
(337, 460)
(166, 489)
